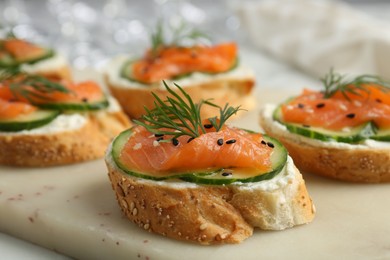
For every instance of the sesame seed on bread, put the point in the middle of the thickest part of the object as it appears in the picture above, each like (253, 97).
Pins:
(210, 214)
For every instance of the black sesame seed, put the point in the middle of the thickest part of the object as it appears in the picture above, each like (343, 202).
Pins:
(220, 141)
(231, 141)
(270, 145)
(351, 115)
(159, 139)
(307, 126)
(378, 100)
(226, 174)
(84, 100)
(208, 126)
(189, 140)
(158, 135)
(263, 142)
(320, 105)
(175, 142)
(301, 105)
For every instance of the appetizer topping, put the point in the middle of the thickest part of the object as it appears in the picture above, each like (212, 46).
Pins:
(172, 60)
(175, 142)
(180, 116)
(30, 101)
(232, 141)
(351, 115)
(344, 104)
(337, 84)
(14, 52)
(45, 93)
(11, 109)
(204, 159)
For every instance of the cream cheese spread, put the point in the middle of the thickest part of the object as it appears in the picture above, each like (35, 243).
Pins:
(61, 123)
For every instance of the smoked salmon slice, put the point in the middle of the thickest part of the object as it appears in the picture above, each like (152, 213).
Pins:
(22, 50)
(12, 109)
(172, 61)
(87, 91)
(227, 148)
(341, 110)
(23, 94)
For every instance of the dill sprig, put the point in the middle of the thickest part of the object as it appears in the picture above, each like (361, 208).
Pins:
(334, 82)
(180, 116)
(178, 36)
(30, 87)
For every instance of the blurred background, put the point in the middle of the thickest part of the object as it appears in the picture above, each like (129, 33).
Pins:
(90, 32)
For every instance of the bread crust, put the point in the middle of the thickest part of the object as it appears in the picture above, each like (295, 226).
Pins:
(233, 91)
(209, 214)
(365, 165)
(88, 142)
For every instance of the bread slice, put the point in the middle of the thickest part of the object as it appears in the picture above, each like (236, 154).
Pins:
(68, 139)
(368, 163)
(233, 87)
(210, 214)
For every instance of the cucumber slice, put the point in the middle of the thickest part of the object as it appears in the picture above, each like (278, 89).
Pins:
(75, 106)
(353, 135)
(6, 60)
(26, 122)
(210, 176)
(127, 72)
(382, 135)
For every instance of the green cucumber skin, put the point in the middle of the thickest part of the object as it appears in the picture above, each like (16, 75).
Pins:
(202, 177)
(366, 132)
(382, 135)
(359, 134)
(76, 106)
(126, 72)
(28, 123)
(10, 62)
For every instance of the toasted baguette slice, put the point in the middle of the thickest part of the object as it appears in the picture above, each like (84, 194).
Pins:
(68, 139)
(233, 87)
(368, 162)
(210, 214)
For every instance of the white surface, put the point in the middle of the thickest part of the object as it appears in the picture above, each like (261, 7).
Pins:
(318, 35)
(72, 209)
